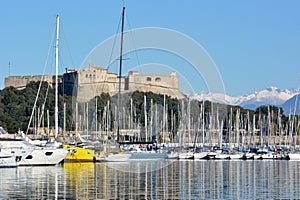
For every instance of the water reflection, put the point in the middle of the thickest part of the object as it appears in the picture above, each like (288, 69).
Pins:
(30, 182)
(141, 180)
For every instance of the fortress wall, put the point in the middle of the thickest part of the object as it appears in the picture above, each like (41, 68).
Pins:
(136, 80)
(175, 93)
(163, 84)
(20, 82)
(89, 91)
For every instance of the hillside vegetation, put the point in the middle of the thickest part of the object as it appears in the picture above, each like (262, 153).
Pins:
(16, 108)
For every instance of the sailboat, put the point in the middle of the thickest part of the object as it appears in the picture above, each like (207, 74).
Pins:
(120, 156)
(51, 153)
(137, 153)
(77, 153)
(81, 150)
(150, 152)
(294, 154)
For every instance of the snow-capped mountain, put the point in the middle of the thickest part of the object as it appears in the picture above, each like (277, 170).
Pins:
(268, 96)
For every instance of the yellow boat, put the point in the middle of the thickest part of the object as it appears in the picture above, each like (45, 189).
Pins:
(79, 154)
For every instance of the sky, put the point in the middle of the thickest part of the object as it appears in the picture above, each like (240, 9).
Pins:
(254, 44)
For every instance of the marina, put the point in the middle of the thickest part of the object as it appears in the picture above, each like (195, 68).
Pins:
(146, 115)
(164, 129)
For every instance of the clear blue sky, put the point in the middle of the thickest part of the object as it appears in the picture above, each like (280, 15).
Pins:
(255, 44)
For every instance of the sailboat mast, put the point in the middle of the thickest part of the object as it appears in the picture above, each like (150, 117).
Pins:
(56, 77)
(120, 74)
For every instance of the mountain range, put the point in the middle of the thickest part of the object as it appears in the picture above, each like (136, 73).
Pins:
(268, 96)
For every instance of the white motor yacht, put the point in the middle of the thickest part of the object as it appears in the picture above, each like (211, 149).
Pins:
(7, 159)
(43, 156)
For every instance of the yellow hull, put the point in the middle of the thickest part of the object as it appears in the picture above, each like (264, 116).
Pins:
(79, 154)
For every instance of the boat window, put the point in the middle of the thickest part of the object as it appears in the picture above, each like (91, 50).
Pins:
(48, 153)
(12, 152)
(29, 157)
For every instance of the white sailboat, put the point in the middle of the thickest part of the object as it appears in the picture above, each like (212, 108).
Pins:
(137, 153)
(173, 155)
(51, 153)
(117, 156)
(186, 155)
(294, 156)
(120, 157)
(222, 156)
(201, 155)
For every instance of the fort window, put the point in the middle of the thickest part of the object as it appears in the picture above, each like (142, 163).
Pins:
(148, 78)
(157, 79)
(86, 75)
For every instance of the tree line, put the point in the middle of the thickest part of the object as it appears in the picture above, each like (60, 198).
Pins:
(16, 107)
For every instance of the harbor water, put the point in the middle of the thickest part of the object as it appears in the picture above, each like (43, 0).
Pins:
(163, 179)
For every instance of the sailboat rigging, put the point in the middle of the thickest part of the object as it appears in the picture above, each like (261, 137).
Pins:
(138, 153)
(56, 76)
(119, 88)
(119, 77)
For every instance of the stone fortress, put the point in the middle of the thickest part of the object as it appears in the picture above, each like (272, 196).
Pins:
(20, 82)
(91, 81)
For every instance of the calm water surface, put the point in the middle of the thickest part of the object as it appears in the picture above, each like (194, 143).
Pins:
(155, 180)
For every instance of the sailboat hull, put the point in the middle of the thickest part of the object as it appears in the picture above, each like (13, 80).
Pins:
(121, 157)
(79, 154)
(147, 156)
(294, 156)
